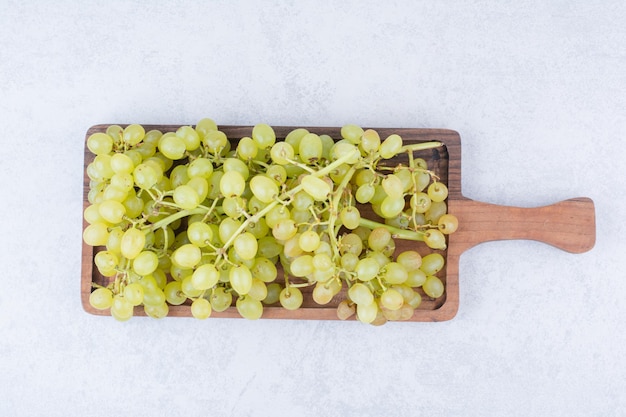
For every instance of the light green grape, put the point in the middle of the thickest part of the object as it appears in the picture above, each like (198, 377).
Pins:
(240, 279)
(433, 287)
(201, 308)
(264, 188)
(291, 298)
(101, 298)
(145, 263)
(100, 143)
(263, 135)
(249, 308)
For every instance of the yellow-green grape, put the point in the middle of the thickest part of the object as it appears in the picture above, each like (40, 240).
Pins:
(157, 312)
(302, 266)
(100, 143)
(316, 187)
(152, 137)
(189, 136)
(420, 202)
(433, 287)
(379, 257)
(341, 149)
(201, 308)
(133, 292)
(435, 211)
(101, 298)
(247, 148)
(264, 188)
(310, 148)
(179, 176)
(205, 125)
(322, 262)
(106, 262)
(366, 313)
(437, 191)
(199, 234)
(259, 228)
(365, 193)
(133, 134)
(115, 193)
(172, 146)
(145, 263)
(366, 269)
(249, 308)
(174, 293)
(432, 263)
(200, 186)
(200, 167)
(406, 178)
(391, 207)
(416, 278)
(435, 239)
(121, 308)
(263, 135)
(352, 133)
(309, 241)
(277, 173)
(215, 140)
(246, 246)
(220, 299)
(370, 141)
(91, 214)
(123, 180)
(112, 211)
(187, 256)
(282, 153)
(205, 277)
(240, 279)
(145, 176)
(258, 291)
(379, 238)
(393, 186)
(132, 243)
(186, 197)
(391, 299)
(410, 259)
(395, 273)
(360, 294)
(232, 184)
(227, 229)
(233, 206)
(291, 298)
(448, 223)
(235, 164)
(345, 310)
(390, 146)
(323, 293)
(114, 240)
(264, 269)
(349, 262)
(350, 217)
(351, 243)
(284, 229)
(294, 137)
(187, 287)
(327, 145)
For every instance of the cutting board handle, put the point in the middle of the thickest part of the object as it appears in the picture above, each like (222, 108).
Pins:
(568, 225)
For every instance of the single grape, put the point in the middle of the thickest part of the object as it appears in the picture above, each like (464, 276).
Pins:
(112, 211)
(172, 146)
(263, 135)
(291, 298)
(437, 192)
(215, 140)
(379, 238)
(133, 134)
(221, 299)
(264, 188)
(201, 308)
(360, 294)
(174, 293)
(145, 263)
(273, 293)
(249, 308)
(350, 217)
(247, 148)
(100, 143)
(189, 136)
(205, 277)
(232, 184)
(157, 312)
(200, 167)
(420, 202)
(121, 308)
(365, 193)
(246, 246)
(101, 298)
(448, 223)
(187, 256)
(310, 148)
(240, 279)
(352, 133)
(264, 269)
(366, 313)
(132, 243)
(133, 292)
(284, 229)
(391, 207)
(199, 234)
(435, 239)
(258, 291)
(370, 141)
(282, 153)
(433, 287)
(391, 299)
(316, 187)
(392, 184)
(366, 269)
(345, 310)
(390, 146)
(416, 278)
(395, 273)
(302, 266)
(432, 263)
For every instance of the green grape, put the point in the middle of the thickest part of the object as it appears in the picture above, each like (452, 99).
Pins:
(365, 193)
(247, 148)
(390, 146)
(302, 266)
(258, 229)
(227, 229)
(302, 201)
(91, 214)
(121, 163)
(235, 164)
(327, 145)
(121, 308)
(350, 217)
(360, 294)
(437, 192)
(179, 273)
(366, 313)
(123, 181)
(145, 263)
(200, 186)
(106, 261)
(205, 126)
(366, 269)
(322, 262)
(309, 241)
(284, 229)
(391, 299)
(132, 243)
(189, 136)
(112, 211)
(240, 279)
(264, 188)
(96, 234)
(273, 293)
(345, 310)
(133, 134)
(214, 185)
(134, 293)
(322, 293)
(282, 153)
(179, 176)
(258, 291)
(349, 261)
(316, 187)
(395, 273)
(201, 308)
(249, 308)
(416, 278)
(246, 246)
(448, 223)
(432, 263)
(393, 186)
(145, 176)
(172, 146)
(263, 135)
(255, 205)
(114, 240)
(186, 197)
(233, 206)
(199, 234)
(410, 259)
(157, 312)
(321, 275)
(164, 238)
(277, 173)
(435, 211)
(433, 287)
(291, 298)
(232, 184)
(269, 247)
(264, 269)
(310, 148)
(379, 257)
(302, 216)
(370, 141)
(379, 238)
(160, 278)
(352, 133)
(174, 293)
(215, 140)
(100, 143)
(187, 287)
(341, 149)
(291, 247)
(351, 243)
(187, 256)
(415, 301)
(205, 277)
(435, 239)
(101, 298)
(220, 299)
(294, 137)
(200, 167)
(420, 202)
(391, 207)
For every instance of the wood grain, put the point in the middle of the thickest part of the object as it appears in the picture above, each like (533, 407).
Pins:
(568, 225)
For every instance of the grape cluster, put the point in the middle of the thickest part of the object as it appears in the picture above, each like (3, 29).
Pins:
(193, 217)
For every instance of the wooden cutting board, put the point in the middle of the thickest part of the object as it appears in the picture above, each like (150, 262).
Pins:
(568, 225)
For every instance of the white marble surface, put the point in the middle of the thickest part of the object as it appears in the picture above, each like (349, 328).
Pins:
(537, 91)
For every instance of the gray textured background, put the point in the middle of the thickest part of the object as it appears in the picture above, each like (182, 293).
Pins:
(537, 91)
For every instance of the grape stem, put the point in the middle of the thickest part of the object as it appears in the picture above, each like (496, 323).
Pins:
(420, 146)
(395, 232)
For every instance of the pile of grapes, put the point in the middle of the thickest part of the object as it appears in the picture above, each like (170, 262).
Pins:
(194, 217)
